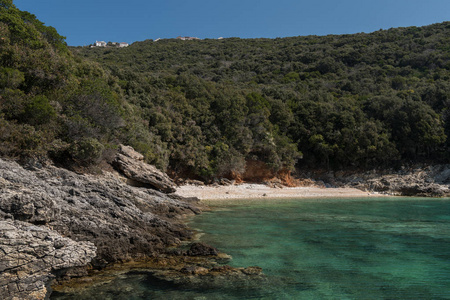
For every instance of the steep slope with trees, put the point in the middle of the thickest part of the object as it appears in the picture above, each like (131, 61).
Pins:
(349, 101)
(51, 103)
(208, 108)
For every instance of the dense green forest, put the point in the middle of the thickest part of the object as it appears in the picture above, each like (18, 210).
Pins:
(205, 108)
(348, 101)
(51, 103)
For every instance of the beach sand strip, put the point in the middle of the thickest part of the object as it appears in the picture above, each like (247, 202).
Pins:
(255, 191)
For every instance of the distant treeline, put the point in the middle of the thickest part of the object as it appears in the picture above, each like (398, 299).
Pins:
(204, 108)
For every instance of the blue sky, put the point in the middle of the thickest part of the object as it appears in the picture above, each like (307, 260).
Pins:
(83, 22)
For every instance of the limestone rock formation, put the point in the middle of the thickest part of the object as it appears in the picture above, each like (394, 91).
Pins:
(202, 249)
(29, 254)
(431, 181)
(130, 152)
(122, 221)
(428, 181)
(130, 163)
(222, 276)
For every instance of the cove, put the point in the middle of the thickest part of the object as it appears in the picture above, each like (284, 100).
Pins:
(373, 248)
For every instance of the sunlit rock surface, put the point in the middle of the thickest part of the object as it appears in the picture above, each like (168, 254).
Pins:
(100, 216)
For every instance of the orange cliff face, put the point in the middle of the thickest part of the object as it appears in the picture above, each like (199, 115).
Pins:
(255, 172)
(259, 172)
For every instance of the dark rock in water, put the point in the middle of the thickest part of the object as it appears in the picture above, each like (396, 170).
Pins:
(121, 221)
(222, 269)
(224, 277)
(252, 271)
(29, 254)
(141, 174)
(194, 270)
(202, 249)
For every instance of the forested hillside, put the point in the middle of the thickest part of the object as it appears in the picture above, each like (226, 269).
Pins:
(206, 108)
(51, 103)
(348, 101)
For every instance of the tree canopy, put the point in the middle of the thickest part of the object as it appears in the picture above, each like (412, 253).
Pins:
(204, 108)
(338, 101)
(49, 100)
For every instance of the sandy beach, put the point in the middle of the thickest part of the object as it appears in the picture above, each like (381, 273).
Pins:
(260, 191)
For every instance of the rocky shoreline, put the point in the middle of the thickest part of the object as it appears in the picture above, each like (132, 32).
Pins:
(428, 181)
(32, 254)
(419, 181)
(57, 225)
(60, 230)
(200, 266)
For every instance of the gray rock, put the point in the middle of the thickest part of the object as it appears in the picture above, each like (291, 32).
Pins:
(193, 182)
(139, 173)
(123, 222)
(29, 254)
(442, 174)
(225, 181)
(130, 152)
(202, 249)
(224, 277)
(432, 181)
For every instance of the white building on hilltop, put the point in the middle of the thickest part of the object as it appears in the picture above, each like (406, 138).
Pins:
(100, 44)
(121, 45)
(187, 38)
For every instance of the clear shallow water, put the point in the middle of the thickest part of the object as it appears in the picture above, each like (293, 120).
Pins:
(387, 248)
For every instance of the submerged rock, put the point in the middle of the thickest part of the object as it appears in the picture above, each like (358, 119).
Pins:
(202, 268)
(200, 277)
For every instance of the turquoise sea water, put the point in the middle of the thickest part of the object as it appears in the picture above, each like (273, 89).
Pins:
(383, 248)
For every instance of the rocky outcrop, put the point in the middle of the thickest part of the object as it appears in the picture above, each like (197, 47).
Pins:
(429, 181)
(178, 270)
(203, 266)
(222, 276)
(30, 254)
(130, 163)
(122, 222)
(202, 249)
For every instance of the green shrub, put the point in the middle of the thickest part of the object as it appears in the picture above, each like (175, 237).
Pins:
(39, 111)
(21, 140)
(86, 151)
(11, 78)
